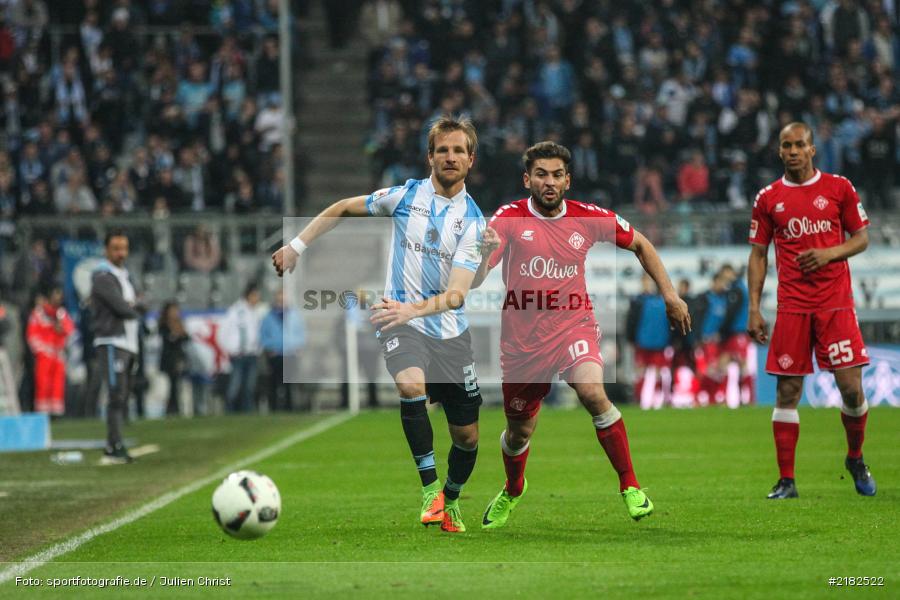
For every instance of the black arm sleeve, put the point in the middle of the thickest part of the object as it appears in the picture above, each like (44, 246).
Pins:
(106, 290)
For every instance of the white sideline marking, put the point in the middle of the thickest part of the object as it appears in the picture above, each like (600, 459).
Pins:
(41, 558)
(134, 452)
(144, 450)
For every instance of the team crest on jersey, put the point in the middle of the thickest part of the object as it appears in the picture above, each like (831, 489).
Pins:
(457, 226)
(623, 223)
(820, 202)
(528, 235)
(785, 361)
(861, 211)
(392, 344)
(576, 240)
(518, 404)
(779, 207)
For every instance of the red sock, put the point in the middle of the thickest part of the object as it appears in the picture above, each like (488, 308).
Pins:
(515, 471)
(614, 440)
(786, 435)
(856, 433)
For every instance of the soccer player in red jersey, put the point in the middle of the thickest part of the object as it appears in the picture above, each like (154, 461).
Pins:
(543, 241)
(807, 213)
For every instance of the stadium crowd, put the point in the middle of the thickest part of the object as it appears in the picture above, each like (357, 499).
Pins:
(665, 104)
(116, 106)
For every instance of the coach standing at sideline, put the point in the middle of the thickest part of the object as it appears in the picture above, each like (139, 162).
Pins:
(113, 300)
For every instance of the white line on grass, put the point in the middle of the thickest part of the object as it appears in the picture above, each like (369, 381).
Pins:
(19, 568)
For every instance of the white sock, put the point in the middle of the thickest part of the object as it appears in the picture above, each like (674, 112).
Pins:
(786, 415)
(604, 420)
(855, 412)
(509, 451)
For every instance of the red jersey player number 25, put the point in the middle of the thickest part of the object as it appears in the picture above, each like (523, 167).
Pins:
(798, 217)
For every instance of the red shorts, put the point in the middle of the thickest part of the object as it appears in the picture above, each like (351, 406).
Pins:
(833, 335)
(527, 377)
(736, 344)
(653, 358)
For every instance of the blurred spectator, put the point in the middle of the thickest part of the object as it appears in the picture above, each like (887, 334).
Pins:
(122, 194)
(194, 92)
(585, 166)
(31, 167)
(65, 166)
(71, 99)
(74, 196)
(693, 178)
(173, 358)
(239, 338)
(140, 174)
(102, 169)
(8, 209)
(739, 189)
(268, 124)
(647, 328)
(556, 84)
(282, 336)
(49, 327)
(166, 189)
(37, 201)
(735, 341)
(202, 252)
(879, 154)
(268, 72)
(8, 388)
(192, 177)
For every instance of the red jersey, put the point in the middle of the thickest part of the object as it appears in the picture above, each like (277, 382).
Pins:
(814, 214)
(543, 268)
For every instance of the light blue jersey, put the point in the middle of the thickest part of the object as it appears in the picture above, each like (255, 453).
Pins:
(431, 235)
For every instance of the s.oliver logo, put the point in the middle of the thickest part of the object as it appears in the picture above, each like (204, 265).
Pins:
(797, 228)
(547, 268)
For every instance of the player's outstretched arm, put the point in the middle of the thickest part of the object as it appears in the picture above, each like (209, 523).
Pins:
(490, 241)
(676, 308)
(388, 313)
(816, 258)
(285, 258)
(757, 265)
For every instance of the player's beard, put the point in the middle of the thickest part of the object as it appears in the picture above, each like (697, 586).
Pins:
(450, 178)
(549, 205)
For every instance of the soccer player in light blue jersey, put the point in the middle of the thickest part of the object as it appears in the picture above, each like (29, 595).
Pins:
(435, 251)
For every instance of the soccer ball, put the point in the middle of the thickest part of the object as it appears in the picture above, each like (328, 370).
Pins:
(246, 505)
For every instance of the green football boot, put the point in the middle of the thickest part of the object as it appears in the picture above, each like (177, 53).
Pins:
(637, 503)
(497, 512)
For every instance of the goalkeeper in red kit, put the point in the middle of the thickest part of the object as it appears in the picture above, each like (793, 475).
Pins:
(806, 213)
(548, 325)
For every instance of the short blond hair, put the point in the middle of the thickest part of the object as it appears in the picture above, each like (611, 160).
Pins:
(447, 124)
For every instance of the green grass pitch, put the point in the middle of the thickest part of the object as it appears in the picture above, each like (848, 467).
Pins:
(351, 496)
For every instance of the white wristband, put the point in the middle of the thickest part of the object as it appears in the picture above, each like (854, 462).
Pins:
(298, 245)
